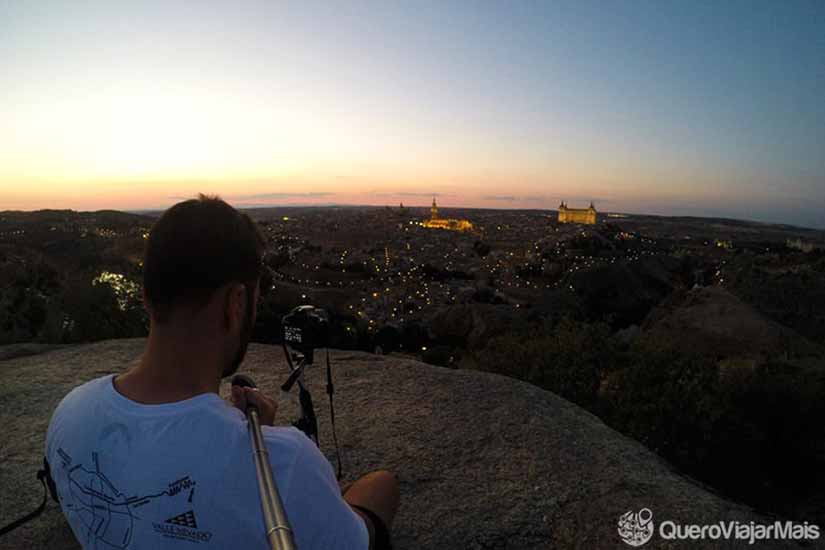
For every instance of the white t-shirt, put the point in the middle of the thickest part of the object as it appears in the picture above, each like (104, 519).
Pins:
(182, 476)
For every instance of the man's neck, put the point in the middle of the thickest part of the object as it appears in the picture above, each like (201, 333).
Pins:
(173, 368)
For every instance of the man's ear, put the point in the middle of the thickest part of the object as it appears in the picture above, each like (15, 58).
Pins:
(146, 307)
(235, 306)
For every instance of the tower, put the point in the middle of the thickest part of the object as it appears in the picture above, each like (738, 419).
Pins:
(591, 214)
(434, 210)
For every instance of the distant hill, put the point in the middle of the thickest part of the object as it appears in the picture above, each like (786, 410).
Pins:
(484, 462)
(47, 216)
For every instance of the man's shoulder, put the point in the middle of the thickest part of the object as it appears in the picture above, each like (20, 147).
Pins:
(96, 385)
(84, 394)
(285, 437)
(97, 400)
(78, 404)
(290, 449)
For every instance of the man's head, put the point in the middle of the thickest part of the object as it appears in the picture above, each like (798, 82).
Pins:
(202, 267)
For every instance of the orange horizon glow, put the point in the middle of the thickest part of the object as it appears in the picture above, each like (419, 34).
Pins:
(135, 106)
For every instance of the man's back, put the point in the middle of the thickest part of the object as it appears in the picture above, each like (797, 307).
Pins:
(167, 476)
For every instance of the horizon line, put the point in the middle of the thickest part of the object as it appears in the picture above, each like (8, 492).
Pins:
(143, 211)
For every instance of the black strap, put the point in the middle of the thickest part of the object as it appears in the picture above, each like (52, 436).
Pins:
(330, 391)
(286, 352)
(382, 533)
(308, 423)
(45, 478)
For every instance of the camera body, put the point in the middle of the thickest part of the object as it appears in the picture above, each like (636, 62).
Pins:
(306, 328)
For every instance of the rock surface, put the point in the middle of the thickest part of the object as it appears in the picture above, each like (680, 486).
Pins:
(484, 462)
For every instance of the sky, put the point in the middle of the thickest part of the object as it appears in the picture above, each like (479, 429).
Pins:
(674, 108)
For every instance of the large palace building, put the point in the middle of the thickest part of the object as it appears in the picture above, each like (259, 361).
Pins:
(436, 222)
(577, 215)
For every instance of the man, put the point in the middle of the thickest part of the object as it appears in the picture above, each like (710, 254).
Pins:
(154, 458)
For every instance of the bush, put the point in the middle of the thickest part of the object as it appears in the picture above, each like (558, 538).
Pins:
(567, 358)
(441, 356)
(91, 313)
(665, 399)
(771, 430)
(753, 433)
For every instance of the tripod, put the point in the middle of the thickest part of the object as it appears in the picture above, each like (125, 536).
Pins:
(308, 422)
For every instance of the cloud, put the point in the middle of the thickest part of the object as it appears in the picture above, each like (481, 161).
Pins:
(500, 198)
(263, 196)
(248, 205)
(513, 198)
(407, 194)
(270, 196)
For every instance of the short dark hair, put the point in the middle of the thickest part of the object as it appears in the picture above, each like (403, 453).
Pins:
(196, 247)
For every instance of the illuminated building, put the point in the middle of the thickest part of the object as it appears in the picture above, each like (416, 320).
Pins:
(799, 244)
(577, 215)
(451, 224)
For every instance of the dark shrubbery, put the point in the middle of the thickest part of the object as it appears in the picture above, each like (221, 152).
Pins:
(481, 248)
(442, 356)
(568, 358)
(91, 312)
(41, 303)
(664, 398)
(755, 433)
(771, 430)
(388, 338)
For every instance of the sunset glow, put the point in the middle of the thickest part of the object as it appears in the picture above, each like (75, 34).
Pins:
(700, 110)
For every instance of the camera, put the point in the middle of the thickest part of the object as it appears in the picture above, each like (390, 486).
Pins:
(306, 328)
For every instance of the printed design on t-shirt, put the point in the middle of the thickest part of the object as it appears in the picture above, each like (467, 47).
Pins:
(109, 516)
(187, 519)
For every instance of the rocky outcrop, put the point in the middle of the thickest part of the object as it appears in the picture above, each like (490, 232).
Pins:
(711, 320)
(484, 461)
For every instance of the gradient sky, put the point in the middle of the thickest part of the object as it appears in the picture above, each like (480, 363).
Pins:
(700, 108)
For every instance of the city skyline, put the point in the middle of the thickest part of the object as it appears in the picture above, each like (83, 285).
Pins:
(644, 107)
